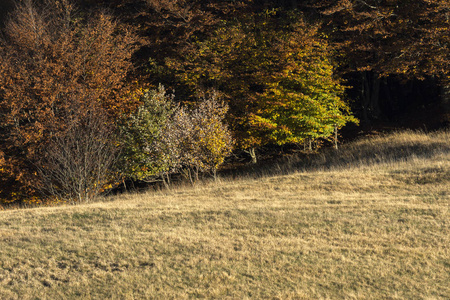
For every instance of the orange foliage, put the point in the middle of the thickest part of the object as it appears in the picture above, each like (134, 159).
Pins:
(49, 58)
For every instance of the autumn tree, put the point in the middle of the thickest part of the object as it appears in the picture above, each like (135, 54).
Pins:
(382, 38)
(162, 137)
(304, 101)
(276, 75)
(50, 56)
(78, 163)
(168, 29)
(235, 61)
(150, 148)
(208, 138)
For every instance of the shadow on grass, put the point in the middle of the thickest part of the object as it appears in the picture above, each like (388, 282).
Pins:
(390, 148)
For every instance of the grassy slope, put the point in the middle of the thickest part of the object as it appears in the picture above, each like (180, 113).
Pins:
(365, 223)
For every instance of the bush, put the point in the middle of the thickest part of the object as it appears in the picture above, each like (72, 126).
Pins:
(78, 163)
(210, 137)
(161, 138)
(147, 150)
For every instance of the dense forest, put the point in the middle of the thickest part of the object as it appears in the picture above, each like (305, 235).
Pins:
(93, 93)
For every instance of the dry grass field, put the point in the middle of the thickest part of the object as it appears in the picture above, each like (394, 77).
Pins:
(371, 221)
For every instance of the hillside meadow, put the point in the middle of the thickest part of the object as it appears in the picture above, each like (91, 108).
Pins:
(370, 221)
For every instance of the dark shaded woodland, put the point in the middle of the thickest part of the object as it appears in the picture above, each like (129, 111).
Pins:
(396, 96)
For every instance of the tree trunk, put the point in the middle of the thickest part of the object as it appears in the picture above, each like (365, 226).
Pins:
(190, 175)
(252, 153)
(214, 171)
(166, 184)
(336, 137)
(196, 170)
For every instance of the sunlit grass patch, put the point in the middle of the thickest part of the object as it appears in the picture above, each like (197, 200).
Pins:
(360, 229)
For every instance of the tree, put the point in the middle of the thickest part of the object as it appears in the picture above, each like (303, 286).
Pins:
(276, 75)
(50, 56)
(167, 29)
(383, 38)
(208, 137)
(161, 138)
(305, 100)
(149, 147)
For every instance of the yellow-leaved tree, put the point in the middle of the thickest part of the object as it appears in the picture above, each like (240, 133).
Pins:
(275, 72)
(303, 100)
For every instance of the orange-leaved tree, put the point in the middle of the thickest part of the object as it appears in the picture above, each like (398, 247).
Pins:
(50, 58)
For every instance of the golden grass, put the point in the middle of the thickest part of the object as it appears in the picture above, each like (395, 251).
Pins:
(369, 222)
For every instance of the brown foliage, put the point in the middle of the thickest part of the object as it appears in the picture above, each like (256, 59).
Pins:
(50, 57)
(169, 30)
(393, 37)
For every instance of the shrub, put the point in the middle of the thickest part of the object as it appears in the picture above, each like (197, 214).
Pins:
(211, 139)
(77, 163)
(161, 138)
(147, 149)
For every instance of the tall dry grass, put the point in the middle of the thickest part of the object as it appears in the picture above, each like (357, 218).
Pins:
(368, 222)
(370, 151)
